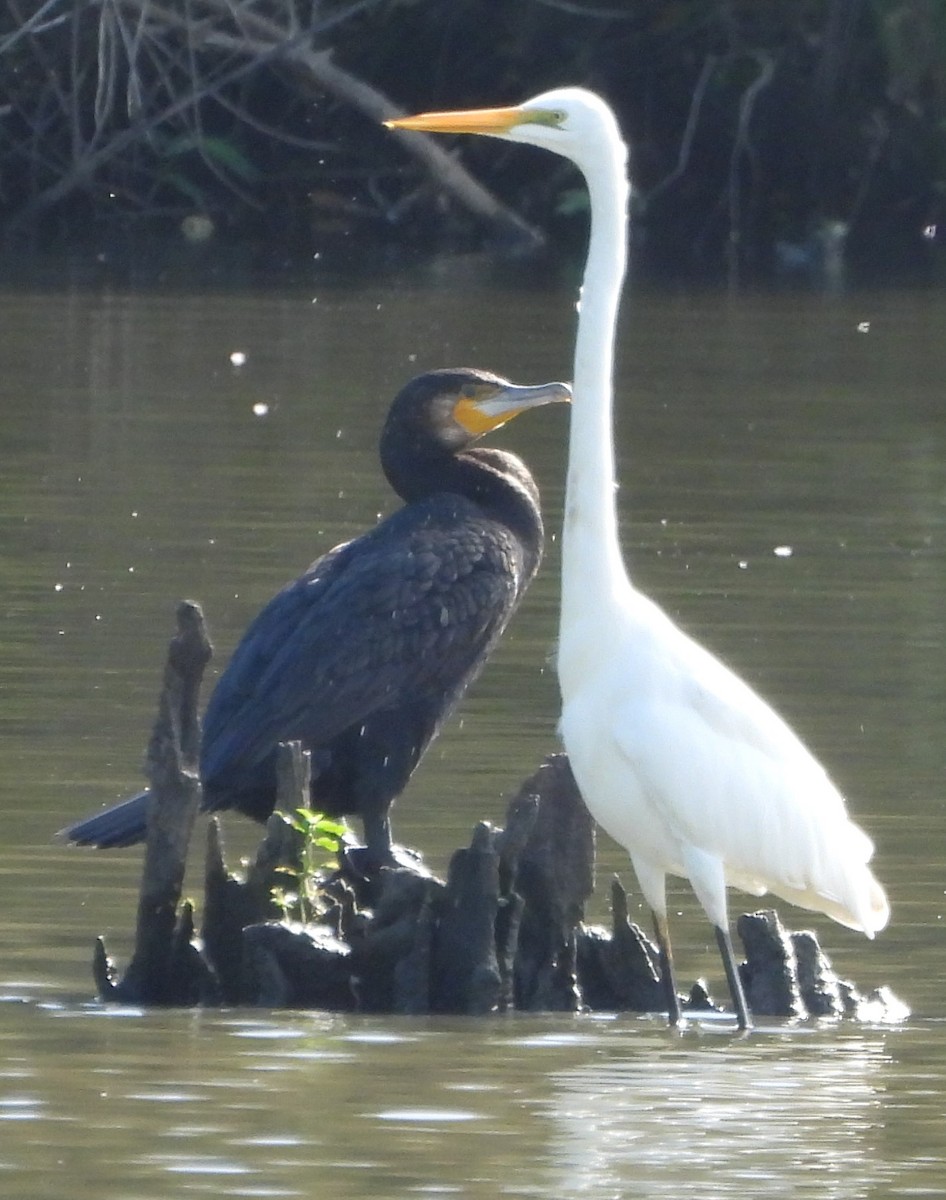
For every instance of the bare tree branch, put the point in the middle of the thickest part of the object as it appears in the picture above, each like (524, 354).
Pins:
(710, 63)
(742, 146)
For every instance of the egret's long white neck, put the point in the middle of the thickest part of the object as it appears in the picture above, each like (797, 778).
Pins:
(592, 568)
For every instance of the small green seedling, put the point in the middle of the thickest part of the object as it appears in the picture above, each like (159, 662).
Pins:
(322, 839)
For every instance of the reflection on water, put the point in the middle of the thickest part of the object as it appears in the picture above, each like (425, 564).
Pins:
(783, 469)
(785, 1116)
(310, 1104)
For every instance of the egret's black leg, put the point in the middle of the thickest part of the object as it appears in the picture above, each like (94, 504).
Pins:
(724, 942)
(666, 969)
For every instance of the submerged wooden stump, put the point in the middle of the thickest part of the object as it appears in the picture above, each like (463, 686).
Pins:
(549, 860)
(505, 930)
(231, 904)
(165, 967)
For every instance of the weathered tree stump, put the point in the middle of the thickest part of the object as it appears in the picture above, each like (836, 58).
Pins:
(823, 994)
(505, 930)
(392, 944)
(620, 969)
(301, 966)
(553, 874)
(165, 967)
(770, 974)
(231, 904)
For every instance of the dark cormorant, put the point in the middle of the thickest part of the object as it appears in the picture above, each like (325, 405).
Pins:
(364, 656)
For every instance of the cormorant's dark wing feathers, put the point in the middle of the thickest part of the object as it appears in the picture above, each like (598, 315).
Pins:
(406, 610)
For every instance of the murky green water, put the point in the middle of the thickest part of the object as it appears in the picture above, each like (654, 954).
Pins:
(783, 470)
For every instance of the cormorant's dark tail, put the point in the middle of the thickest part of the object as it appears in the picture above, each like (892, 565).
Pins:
(123, 824)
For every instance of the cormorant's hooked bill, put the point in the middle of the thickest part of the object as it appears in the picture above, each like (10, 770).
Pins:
(365, 655)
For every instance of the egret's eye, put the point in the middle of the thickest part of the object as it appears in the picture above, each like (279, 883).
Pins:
(554, 117)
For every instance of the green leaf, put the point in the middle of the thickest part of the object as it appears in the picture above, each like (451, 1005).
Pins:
(227, 155)
(218, 150)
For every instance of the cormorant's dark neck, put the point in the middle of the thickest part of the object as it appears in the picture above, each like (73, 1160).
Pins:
(496, 481)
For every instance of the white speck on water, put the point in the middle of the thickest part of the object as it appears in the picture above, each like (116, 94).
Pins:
(427, 1116)
(863, 327)
(783, 551)
(238, 358)
(260, 409)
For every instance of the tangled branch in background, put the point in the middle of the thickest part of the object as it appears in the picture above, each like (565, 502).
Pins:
(157, 110)
(789, 134)
(132, 105)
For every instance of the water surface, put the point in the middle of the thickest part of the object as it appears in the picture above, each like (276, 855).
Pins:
(783, 493)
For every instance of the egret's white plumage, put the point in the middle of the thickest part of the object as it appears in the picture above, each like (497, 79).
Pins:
(676, 757)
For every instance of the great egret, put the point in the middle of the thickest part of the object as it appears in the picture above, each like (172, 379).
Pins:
(364, 656)
(675, 756)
